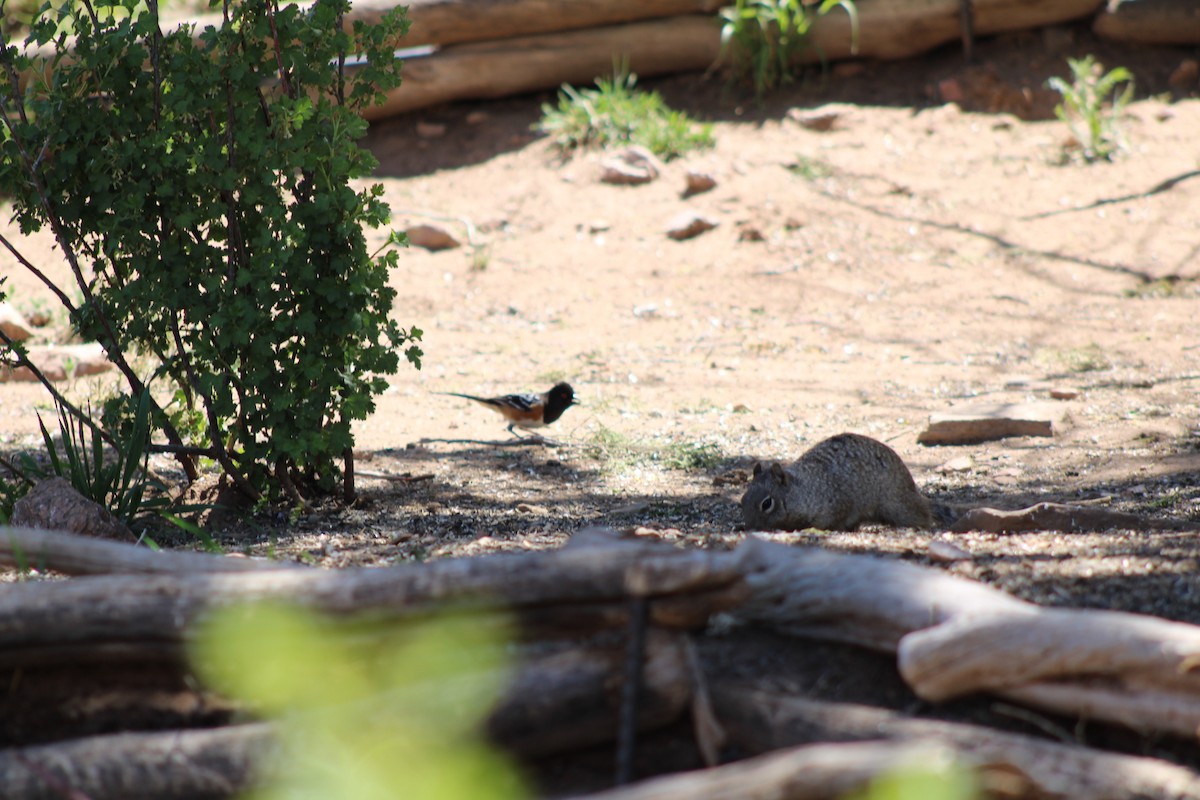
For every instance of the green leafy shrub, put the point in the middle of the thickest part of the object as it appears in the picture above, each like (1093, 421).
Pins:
(617, 112)
(1091, 106)
(762, 40)
(201, 190)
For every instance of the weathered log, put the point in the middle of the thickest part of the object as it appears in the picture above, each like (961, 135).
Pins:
(1150, 22)
(215, 763)
(42, 620)
(503, 67)
(32, 548)
(871, 602)
(556, 700)
(954, 637)
(887, 30)
(454, 21)
(759, 721)
(1119, 667)
(815, 772)
(1049, 517)
(578, 42)
(564, 701)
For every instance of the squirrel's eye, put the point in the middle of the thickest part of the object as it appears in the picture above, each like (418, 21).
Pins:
(766, 505)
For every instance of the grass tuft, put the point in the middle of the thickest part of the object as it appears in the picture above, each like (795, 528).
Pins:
(616, 113)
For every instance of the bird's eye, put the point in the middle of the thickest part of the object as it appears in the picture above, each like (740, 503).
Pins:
(766, 505)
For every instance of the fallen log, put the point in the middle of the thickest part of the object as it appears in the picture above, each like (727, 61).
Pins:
(32, 548)
(583, 586)
(486, 49)
(886, 30)
(1150, 22)
(1050, 517)
(558, 698)
(454, 21)
(815, 772)
(758, 721)
(954, 637)
(503, 67)
(215, 763)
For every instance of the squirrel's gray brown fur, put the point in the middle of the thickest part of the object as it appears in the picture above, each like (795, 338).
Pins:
(840, 483)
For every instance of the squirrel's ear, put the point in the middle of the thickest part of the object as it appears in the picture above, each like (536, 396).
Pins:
(778, 473)
(758, 468)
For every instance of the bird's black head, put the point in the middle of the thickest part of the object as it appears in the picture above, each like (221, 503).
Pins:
(562, 394)
(558, 399)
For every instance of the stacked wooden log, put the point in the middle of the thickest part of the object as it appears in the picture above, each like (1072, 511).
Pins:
(484, 49)
(116, 636)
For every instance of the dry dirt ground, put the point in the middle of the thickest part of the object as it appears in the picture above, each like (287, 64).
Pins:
(917, 256)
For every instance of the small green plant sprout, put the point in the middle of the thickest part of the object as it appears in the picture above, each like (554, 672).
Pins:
(1091, 106)
(369, 710)
(616, 112)
(763, 40)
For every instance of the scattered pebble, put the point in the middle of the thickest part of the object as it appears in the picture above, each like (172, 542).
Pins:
(688, 225)
(697, 182)
(432, 238)
(431, 130)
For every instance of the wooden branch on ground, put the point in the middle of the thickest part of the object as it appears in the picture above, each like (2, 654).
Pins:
(556, 700)
(1150, 22)
(815, 772)
(955, 637)
(888, 30)
(496, 48)
(1050, 517)
(758, 721)
(31, 548)
(221, 762)
(585, 583)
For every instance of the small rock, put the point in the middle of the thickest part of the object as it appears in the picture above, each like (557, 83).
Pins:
(633, 165)
(945, 552)
(698, 182)
(793, 224)
(749, 233)
(821, 120)
(599, 226)
(1186, 75)
(1064, 394)
(59, 362)
(54, 505)
(13, 324)
(530, 508)
(431, 130)
(960, 464)
(478, 117)
(972, 424)
(431, 238)
(688, 225)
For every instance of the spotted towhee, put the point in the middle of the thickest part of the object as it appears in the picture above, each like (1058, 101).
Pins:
(528, 410)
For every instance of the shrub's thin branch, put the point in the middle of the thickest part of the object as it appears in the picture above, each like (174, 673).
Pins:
(62, 296)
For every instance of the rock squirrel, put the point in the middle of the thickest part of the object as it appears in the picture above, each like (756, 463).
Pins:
(840, 483)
